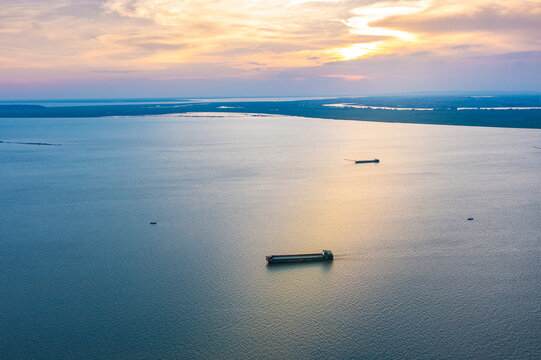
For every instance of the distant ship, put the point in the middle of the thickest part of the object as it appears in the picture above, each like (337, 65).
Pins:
(325, 255)
(364, 161)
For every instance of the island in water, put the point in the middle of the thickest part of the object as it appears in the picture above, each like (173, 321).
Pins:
(514, 111)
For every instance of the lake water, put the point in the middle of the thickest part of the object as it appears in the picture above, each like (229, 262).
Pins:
(83, 274)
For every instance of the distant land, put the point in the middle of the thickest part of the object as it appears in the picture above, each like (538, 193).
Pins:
(516, 111)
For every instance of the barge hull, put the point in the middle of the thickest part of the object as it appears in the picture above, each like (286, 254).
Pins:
(280, 259)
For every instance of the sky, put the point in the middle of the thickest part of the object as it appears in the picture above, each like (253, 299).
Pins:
(210, 48)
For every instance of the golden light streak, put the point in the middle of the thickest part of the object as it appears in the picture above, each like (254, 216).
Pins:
(360, 24)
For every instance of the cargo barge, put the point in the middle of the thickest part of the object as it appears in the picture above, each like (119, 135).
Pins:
(325, 255)
(375, 161)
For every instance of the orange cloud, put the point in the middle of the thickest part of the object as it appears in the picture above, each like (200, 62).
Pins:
(250, 38)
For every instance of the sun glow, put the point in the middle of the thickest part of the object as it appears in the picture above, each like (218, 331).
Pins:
(357, 50)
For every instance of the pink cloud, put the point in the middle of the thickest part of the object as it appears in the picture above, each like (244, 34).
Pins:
(347, 77)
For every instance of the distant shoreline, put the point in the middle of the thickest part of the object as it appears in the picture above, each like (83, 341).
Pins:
(463, 111)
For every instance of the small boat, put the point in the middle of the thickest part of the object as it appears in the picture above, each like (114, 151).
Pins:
(325, 255)
(375, 161)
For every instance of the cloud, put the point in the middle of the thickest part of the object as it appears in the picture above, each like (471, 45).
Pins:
(521, 55)
(482, 26)
(347, 77)
(114, 71)
(255, 39)
(279, 33)
(299, 30)
(479, 16)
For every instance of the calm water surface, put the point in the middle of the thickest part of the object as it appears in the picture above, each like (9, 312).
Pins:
(83, 274)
